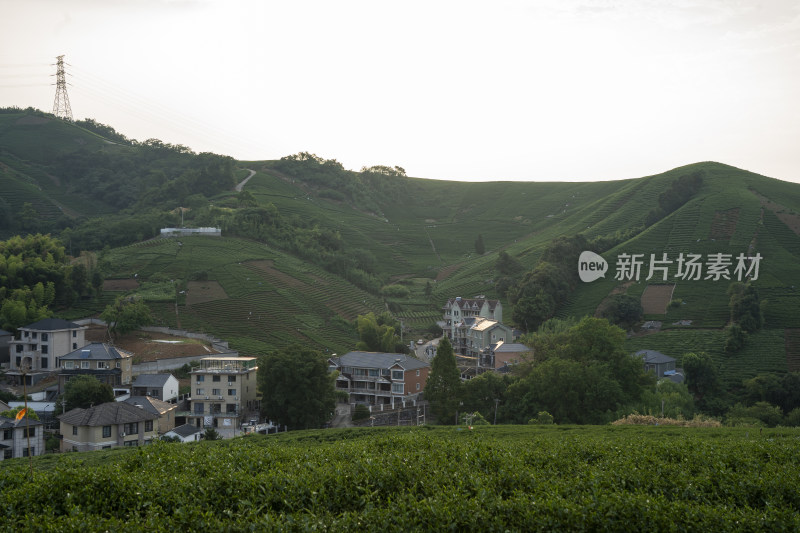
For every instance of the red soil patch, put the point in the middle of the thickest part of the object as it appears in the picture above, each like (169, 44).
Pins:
(656, 298)
(120, 284)
(724, 224)
(199, 292)
(274, 276)
(792, 221)
(145, 348)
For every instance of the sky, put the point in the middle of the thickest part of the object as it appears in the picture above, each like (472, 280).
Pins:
(540, 90)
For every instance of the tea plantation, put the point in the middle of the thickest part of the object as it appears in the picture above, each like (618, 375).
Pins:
(492, 478)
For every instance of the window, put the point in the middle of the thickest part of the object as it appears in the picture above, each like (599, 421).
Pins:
(26, 334)
(148, 425)
(216, 392)
(397, 375)
(231, 379)
(31, 432)
(19, 359)
(8, 434)
(68, 365)
(106, 432)
(134, 442)
(19, 348)
(74, 334)
(33, 335)
(417, 372)
(44, 337)
(131, 428)
(231, 392)
(200, 392)
(199, 408)
(230, 407)
(215, 379)
(74, 345)
(8, 454)
(34, 347)
(85, 365)
(417, 386)
(44, 349)
(25, 451)
(74, 430)
(397, 388)
(44, 362)
(118, 364)
(373, 372)
(201, 378)
(101, 364)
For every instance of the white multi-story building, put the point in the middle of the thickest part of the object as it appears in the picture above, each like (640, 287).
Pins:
(37, 347)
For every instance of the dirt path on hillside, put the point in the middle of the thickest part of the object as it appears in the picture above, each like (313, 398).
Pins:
(241, 184)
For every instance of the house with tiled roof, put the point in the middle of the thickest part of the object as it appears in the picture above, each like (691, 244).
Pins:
(15, 437)
(473, 324)
(107, 425)
(161, 386)
(164, 410)
(375, 378)
(107, 363)
(37, 347)
(504, 354)
(186, 433)
(663, 366)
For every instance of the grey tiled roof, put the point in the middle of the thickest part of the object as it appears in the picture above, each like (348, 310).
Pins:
(150, 404)
(151, 380)
(652, 356)
(511, 347)
(379, 360)
(53, 324)
(106, 414)
(10, 423)
(96, 351)
(186, 430)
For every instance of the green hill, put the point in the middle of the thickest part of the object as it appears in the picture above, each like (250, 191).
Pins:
(311, 245)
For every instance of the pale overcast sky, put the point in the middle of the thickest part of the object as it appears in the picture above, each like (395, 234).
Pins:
(476, 91)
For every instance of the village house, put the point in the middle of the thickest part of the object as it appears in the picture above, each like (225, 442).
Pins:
(161, 386)
(224, 392)
(663, 366)
(472, 325)
(374, 378)
(38, 347)
(185, 433)
(108, 364)
(15, 437)
(107, 425)
(503, 354)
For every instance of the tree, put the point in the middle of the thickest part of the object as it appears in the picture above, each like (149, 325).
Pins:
(480, 248)
(12, 413)
(297, 390)
(211, 434)
(377, 333)
(746, 307)
(623, 310)
(84, 392)
(701, 374)
(443, 388)
(125, 315)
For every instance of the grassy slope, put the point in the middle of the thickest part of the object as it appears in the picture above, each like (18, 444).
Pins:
(494, 478)
(430, 234)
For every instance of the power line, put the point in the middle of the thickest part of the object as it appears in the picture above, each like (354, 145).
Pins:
(61, 107)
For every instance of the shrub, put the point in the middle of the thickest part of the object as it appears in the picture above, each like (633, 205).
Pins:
(361, 412)
(543, 418)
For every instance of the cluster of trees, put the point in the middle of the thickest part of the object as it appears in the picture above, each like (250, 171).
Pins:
(539, 293)
(747, 315)
(367, 189)
(297, 390)
(580, 373)
(35, 275)
(379, 333)
(679, 192)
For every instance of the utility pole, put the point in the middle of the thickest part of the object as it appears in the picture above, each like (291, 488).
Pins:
(61, 107)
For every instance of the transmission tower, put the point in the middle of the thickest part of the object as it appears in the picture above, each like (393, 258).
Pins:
(61, 107)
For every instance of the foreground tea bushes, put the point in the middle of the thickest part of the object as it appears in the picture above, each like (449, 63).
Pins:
(399, 479)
